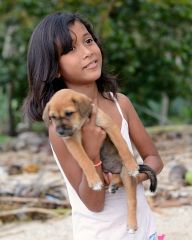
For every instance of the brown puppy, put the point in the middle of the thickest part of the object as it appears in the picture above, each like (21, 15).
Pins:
(69, 110)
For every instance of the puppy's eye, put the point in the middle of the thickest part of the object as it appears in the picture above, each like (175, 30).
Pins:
(68, 114)
(52, 117)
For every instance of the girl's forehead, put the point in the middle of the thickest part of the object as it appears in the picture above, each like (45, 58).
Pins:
(78, 29)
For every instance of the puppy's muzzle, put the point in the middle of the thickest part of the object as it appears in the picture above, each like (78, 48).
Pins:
(64, 131)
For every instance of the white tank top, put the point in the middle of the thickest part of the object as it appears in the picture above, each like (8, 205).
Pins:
(111, 222)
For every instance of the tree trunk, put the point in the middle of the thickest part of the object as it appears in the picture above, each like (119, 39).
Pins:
(11, 126)
(164, 109)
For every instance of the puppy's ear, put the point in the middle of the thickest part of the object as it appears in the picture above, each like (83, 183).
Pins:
(83, 105)
(45, 116)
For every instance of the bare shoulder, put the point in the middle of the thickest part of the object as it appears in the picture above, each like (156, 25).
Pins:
(122, 97)
(130, 114)
(137, 131)
(125, 104)
(138, 134)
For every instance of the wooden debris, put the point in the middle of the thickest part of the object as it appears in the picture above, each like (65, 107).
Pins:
(34, 201)
(31, 185)
(172, 203)
(28, 213)
(31, 168)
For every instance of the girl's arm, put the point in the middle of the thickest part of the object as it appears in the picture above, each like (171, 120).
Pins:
(93, 138)
(141, 138)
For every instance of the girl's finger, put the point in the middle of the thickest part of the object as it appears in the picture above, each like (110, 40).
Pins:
(93, 115)
(107, 177)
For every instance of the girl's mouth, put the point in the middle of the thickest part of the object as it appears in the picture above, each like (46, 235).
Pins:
(91, 65)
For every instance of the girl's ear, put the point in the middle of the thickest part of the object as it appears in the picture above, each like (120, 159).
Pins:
(58, 75)
(45, 116)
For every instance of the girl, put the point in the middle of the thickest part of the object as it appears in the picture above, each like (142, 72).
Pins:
(65, 53)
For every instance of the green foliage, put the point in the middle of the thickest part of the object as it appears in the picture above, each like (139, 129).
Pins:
(4, 139)
(3, 110)
(188, 177)
(151, 49)
(147, 44)
(39, 127)
(180, 108)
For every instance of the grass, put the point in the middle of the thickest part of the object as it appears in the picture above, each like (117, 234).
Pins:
(170, 128)
(39, 127)
(4, 138)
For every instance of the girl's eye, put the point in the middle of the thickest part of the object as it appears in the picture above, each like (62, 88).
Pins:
(89, 40)
(72, 48)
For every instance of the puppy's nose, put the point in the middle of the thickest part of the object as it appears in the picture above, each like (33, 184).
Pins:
(60, 130)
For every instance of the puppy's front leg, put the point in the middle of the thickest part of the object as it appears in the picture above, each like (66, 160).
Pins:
(104, 121)
(78, 152)
(130, 185)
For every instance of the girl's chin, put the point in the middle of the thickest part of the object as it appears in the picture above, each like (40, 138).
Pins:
(93, 76)
(86, 78)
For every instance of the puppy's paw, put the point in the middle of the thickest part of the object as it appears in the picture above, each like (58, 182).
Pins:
(133, 173)
(132, 168)
(132, 230)
(97, 186)
(112, 188)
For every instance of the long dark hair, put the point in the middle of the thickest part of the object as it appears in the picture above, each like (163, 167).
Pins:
(50, 39)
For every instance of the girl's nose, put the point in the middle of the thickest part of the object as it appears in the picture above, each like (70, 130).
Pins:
(86, 51)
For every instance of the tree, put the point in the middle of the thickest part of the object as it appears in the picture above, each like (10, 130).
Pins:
(147, 43)
(151, 49)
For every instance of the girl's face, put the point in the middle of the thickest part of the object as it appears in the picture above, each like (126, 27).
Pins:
(81, 65)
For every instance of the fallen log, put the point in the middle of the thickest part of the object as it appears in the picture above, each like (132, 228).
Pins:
(28, 210)
(22, 200)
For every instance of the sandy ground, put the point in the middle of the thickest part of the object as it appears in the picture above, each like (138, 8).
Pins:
(174, 222)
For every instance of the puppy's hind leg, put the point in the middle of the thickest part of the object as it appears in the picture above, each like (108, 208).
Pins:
(130, 185)
(104, 121)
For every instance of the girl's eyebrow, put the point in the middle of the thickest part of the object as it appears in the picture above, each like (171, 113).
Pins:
(86, 34)
(74, 36)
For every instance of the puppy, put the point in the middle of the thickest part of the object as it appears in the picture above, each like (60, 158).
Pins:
(69, 110)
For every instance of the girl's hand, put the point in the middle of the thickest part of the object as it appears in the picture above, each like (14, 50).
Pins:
(107, 178)
(92, 136)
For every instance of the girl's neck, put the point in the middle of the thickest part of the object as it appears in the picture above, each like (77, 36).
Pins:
(90, 90)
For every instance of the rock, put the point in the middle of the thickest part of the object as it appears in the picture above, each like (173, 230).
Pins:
(23, 127)
(177, 174)
(174, 135)
(31, 138)
(15, 169)
(25, 141)
(7, 146)
(3, 175)
(19, 145)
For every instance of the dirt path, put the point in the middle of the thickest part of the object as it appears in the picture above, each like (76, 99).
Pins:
(174, 222)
